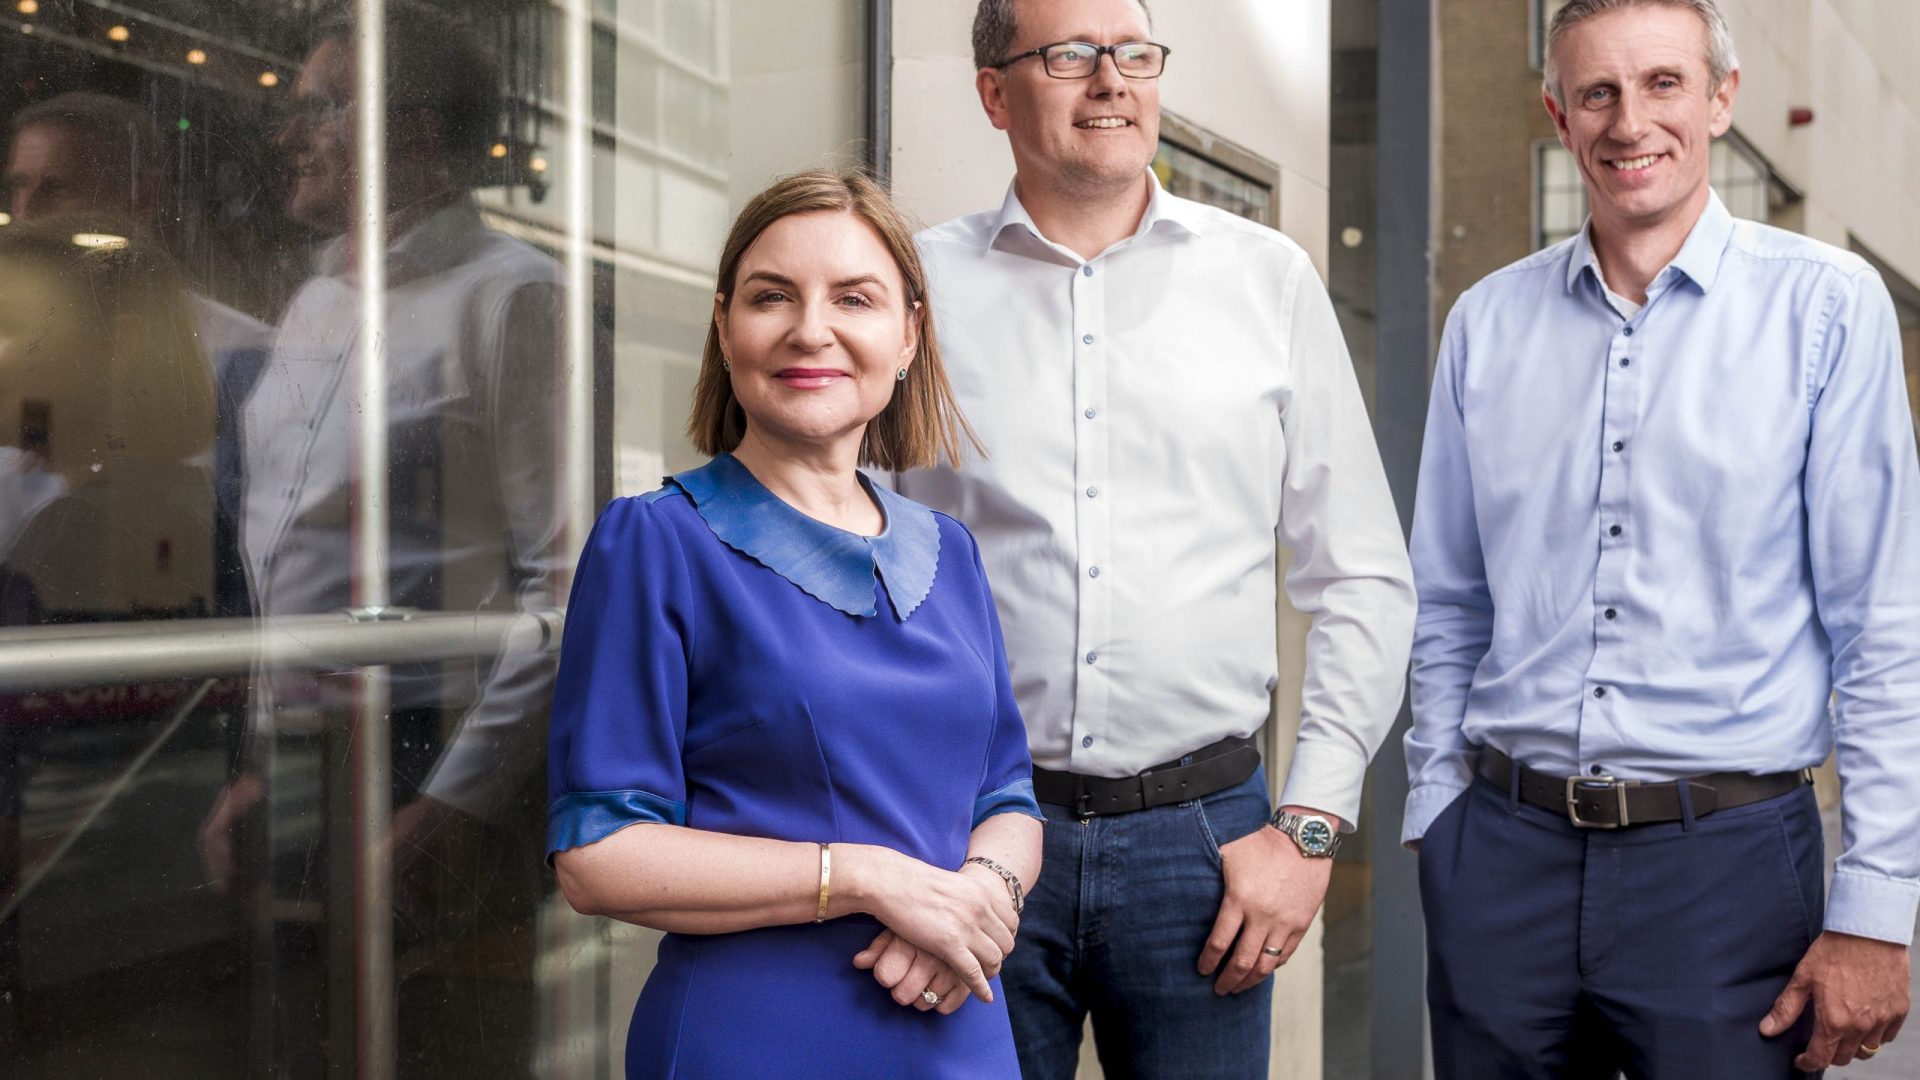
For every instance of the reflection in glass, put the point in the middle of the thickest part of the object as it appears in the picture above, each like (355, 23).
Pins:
(176, 856)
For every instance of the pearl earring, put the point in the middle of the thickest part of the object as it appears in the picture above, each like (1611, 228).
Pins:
(726, 365)
(901, 376)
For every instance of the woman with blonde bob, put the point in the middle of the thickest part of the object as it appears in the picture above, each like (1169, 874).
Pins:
(783, 730)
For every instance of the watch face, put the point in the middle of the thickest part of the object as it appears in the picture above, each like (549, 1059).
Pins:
(1315, 836)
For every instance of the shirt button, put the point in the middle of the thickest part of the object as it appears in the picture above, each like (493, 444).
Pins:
(1086, 339)
(1086, 740)
(1612, 614)
(1092, 657)
(1090, 414)
(1619, 446)
(1087, 270)
(1599, 691)
(1613, 530)
(1626, 361)
(1628, 331)
(1596, 770)
(1093, 493)
(1093, 571)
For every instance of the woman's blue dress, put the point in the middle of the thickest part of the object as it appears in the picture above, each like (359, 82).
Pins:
(733, 665)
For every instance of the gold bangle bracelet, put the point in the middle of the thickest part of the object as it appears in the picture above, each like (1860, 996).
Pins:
(826, 879)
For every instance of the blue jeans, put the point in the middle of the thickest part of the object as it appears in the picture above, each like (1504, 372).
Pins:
(1556, 953)
(1115, 928)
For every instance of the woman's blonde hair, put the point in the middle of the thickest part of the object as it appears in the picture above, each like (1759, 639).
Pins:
(922, 424)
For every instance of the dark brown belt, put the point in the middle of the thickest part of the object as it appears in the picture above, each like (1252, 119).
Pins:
(1214, 768)
(1602, 802)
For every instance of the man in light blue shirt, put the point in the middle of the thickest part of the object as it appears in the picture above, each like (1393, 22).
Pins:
(1669, 506)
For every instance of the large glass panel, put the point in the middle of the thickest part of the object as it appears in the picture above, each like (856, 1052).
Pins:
(299, 429)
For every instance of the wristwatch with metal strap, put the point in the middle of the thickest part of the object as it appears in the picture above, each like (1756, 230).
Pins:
(1316, 836)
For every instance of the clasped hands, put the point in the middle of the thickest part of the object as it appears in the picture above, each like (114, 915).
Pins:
(947, 932)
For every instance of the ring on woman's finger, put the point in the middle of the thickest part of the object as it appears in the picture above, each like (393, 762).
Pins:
(1271, 951)
(929, 997)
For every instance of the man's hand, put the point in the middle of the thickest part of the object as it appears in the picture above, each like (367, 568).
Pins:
(1273, 892)
(219, 837)
(1859, 991)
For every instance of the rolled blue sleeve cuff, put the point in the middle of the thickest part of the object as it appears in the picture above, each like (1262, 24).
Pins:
(583, 817)
(1872, 906)
(1424, 803)
(1015, 798)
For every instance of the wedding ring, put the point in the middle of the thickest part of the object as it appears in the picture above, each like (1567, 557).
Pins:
(929, 997)
(1868, 1051)
(1270, 950)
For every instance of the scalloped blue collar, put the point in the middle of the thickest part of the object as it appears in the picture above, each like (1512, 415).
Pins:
(832, 565)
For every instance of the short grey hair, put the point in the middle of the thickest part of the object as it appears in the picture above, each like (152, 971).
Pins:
(994, 30)
(1722, 61)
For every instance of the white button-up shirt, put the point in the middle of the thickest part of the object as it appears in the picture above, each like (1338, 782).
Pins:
(472, 326)
(1155, 419)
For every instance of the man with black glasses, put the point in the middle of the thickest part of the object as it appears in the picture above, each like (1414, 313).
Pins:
(1164, 398)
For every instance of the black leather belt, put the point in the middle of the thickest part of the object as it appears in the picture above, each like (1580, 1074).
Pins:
(1602, 802)
(1214, 768)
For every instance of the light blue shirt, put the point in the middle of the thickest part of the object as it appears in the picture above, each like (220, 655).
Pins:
(1657, 546)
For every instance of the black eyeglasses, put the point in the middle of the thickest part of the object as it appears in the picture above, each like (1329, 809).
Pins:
(1080, 59)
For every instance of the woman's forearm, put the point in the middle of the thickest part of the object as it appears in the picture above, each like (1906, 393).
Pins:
(1013, 841)
(690, 881)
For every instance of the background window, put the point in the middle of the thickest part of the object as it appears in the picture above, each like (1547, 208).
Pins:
(1224, 175)
(1738, 174)
(1543, 11)
(1192, 176)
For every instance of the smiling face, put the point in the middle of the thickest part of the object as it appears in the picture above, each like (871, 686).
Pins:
(1640, 113)
(318, 139)
(816, 329)
(1086, 137)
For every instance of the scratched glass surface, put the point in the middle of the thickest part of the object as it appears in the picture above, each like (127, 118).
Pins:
(191, 881)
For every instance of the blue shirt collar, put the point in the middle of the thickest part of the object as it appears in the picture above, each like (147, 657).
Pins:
(831, 565)
(1699, 257)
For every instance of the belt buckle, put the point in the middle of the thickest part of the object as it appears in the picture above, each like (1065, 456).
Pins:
(1574, 783)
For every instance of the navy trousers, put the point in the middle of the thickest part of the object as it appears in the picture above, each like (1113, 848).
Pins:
(1559, 952)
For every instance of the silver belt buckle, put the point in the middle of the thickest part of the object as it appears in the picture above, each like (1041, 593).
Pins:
(1574, 783)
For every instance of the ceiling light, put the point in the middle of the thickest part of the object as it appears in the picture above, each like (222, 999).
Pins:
(268, 78)
(119, 33)
(196, 56)
(98, 241)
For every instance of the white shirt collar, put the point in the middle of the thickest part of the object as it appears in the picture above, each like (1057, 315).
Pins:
(1163, 209)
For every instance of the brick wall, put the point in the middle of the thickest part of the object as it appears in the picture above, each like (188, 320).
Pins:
(1489, 116)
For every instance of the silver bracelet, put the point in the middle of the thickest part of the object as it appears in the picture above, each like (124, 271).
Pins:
(1013, 883)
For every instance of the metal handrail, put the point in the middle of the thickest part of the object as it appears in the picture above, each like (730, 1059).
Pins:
(53, 658)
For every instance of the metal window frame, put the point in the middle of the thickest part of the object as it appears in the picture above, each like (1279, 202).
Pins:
(1225, 154)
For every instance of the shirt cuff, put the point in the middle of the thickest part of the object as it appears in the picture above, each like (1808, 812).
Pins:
(1424, 803)
(1327, 777)
(1871, 906)
(1015, 798)
(582, 817)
